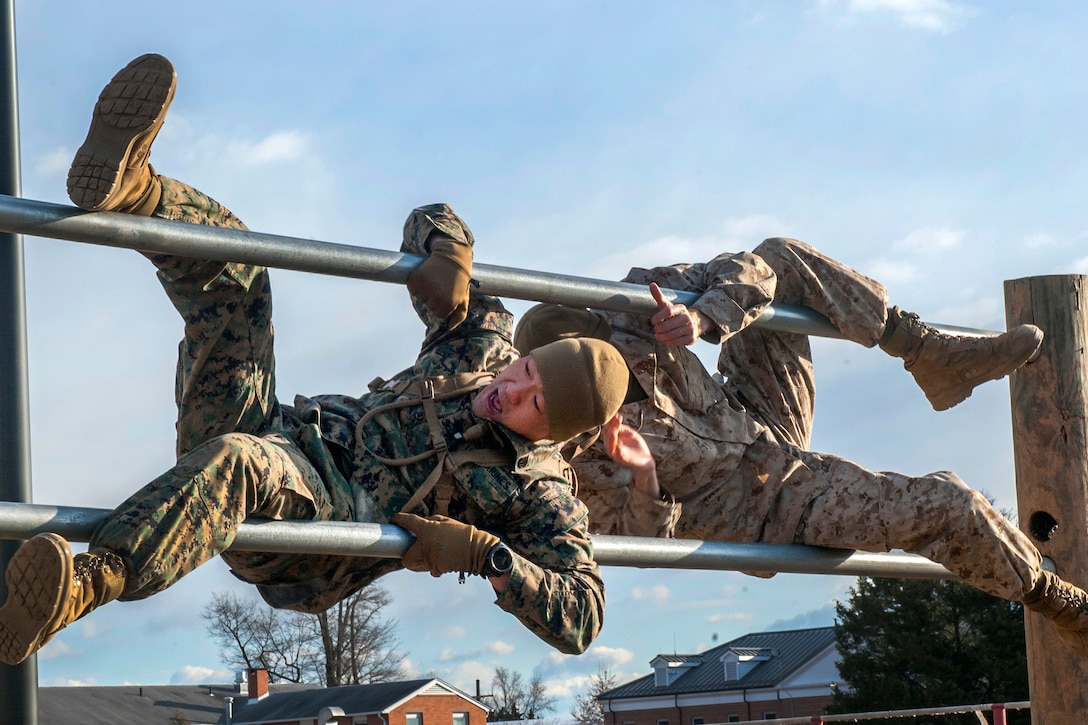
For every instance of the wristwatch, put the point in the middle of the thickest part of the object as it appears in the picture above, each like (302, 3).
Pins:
(499, 561)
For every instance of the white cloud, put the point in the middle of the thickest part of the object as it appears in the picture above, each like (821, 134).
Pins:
(195, 675)
(410, 668)
(728, 617)
(277, 146)
(55, 162)
(611, 656)
(931, 239)
(658, 594)
(939, 16)
(1079, 266)
(69, 682)
(1039, 240)
(892, 271)
(734, 235)
(57, 649)
(501, 648)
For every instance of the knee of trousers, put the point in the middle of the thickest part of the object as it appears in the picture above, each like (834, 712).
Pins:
(783, 251)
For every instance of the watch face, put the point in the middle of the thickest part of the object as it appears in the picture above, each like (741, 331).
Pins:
(501, 559)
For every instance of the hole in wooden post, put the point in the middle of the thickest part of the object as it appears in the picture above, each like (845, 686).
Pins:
(1042, 526)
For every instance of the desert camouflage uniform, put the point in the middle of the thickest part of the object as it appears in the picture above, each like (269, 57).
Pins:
(731, 458)
(242, 454)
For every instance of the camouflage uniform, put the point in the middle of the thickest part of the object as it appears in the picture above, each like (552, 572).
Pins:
(242, 454)
(732, 459)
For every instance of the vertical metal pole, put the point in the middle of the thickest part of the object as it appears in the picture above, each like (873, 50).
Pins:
(18, 684)
(999, 715)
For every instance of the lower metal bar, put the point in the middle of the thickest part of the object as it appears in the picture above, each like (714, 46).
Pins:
(22, 521)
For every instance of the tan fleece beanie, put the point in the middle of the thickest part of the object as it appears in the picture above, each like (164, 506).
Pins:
(584, 382)
(546, 323)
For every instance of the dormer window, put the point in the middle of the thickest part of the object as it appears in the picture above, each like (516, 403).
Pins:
(739, 661)
(667, 668)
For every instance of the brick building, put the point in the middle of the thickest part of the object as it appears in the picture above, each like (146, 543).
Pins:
(758, 676)
(253, 701)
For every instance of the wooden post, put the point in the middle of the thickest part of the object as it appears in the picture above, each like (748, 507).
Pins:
(1050, 444)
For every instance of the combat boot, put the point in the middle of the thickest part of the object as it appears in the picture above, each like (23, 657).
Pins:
(1063, 604)
(110, 172)
(48, 589)
(948, 367)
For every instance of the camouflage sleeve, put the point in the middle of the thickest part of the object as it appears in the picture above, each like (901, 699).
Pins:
(484, 339)
(735, 288)
(555, 588)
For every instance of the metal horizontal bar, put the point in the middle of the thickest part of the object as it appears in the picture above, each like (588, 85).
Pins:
(916, 712)
(22, 521)
(55, 221)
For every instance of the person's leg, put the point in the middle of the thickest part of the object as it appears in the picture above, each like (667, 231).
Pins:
(822, 500)
(226, 371)
(771, 372)
(945, 366)
(177, 522)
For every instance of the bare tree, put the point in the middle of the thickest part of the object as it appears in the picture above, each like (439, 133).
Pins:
(350, 643)
(537, 701)
(587, 708)
(516, 701)
(508, 691)
(360, 646)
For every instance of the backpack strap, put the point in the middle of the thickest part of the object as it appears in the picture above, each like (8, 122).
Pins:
(426, 392)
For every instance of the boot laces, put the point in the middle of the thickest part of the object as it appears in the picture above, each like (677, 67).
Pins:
(88, 566)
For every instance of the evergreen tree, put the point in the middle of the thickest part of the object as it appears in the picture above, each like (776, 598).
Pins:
(914, 643)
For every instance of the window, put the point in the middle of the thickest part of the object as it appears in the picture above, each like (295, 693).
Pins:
(733, 718)
(460, 718)
(697, 721)
(769, 715)
(662, 722)
(413, 718)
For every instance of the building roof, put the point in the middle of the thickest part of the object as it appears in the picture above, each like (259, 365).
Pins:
(110, 705)
(206, 704)
(789, 651)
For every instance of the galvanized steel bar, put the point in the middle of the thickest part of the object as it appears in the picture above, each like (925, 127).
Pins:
(42, 219)
(22, 521)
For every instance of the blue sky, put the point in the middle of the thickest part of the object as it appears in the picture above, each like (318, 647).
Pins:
(936, 145)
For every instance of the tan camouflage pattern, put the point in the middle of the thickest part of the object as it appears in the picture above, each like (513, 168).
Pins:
(241, 454)
(731, 455)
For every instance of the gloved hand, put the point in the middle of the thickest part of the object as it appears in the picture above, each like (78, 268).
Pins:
(441, 282)
(444, 545)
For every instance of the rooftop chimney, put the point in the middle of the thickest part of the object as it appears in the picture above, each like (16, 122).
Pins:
(258, 683)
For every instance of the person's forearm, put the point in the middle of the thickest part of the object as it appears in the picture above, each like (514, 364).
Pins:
(645, 480)
(564, 609)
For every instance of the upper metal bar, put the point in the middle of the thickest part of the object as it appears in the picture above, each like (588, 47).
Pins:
(341, 538)
(42, 219)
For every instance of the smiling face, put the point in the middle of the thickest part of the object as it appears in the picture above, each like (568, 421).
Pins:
(515, 398)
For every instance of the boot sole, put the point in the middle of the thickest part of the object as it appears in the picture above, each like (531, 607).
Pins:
(945, 399)
(39, 580)
(129, 113)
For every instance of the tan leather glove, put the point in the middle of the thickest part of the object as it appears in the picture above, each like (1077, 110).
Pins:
(444, 545)
(441, 282)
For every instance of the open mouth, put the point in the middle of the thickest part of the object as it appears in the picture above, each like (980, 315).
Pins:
(493, 405)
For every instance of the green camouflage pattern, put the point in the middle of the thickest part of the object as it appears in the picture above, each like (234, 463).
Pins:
(241, 454)
(731, 449)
